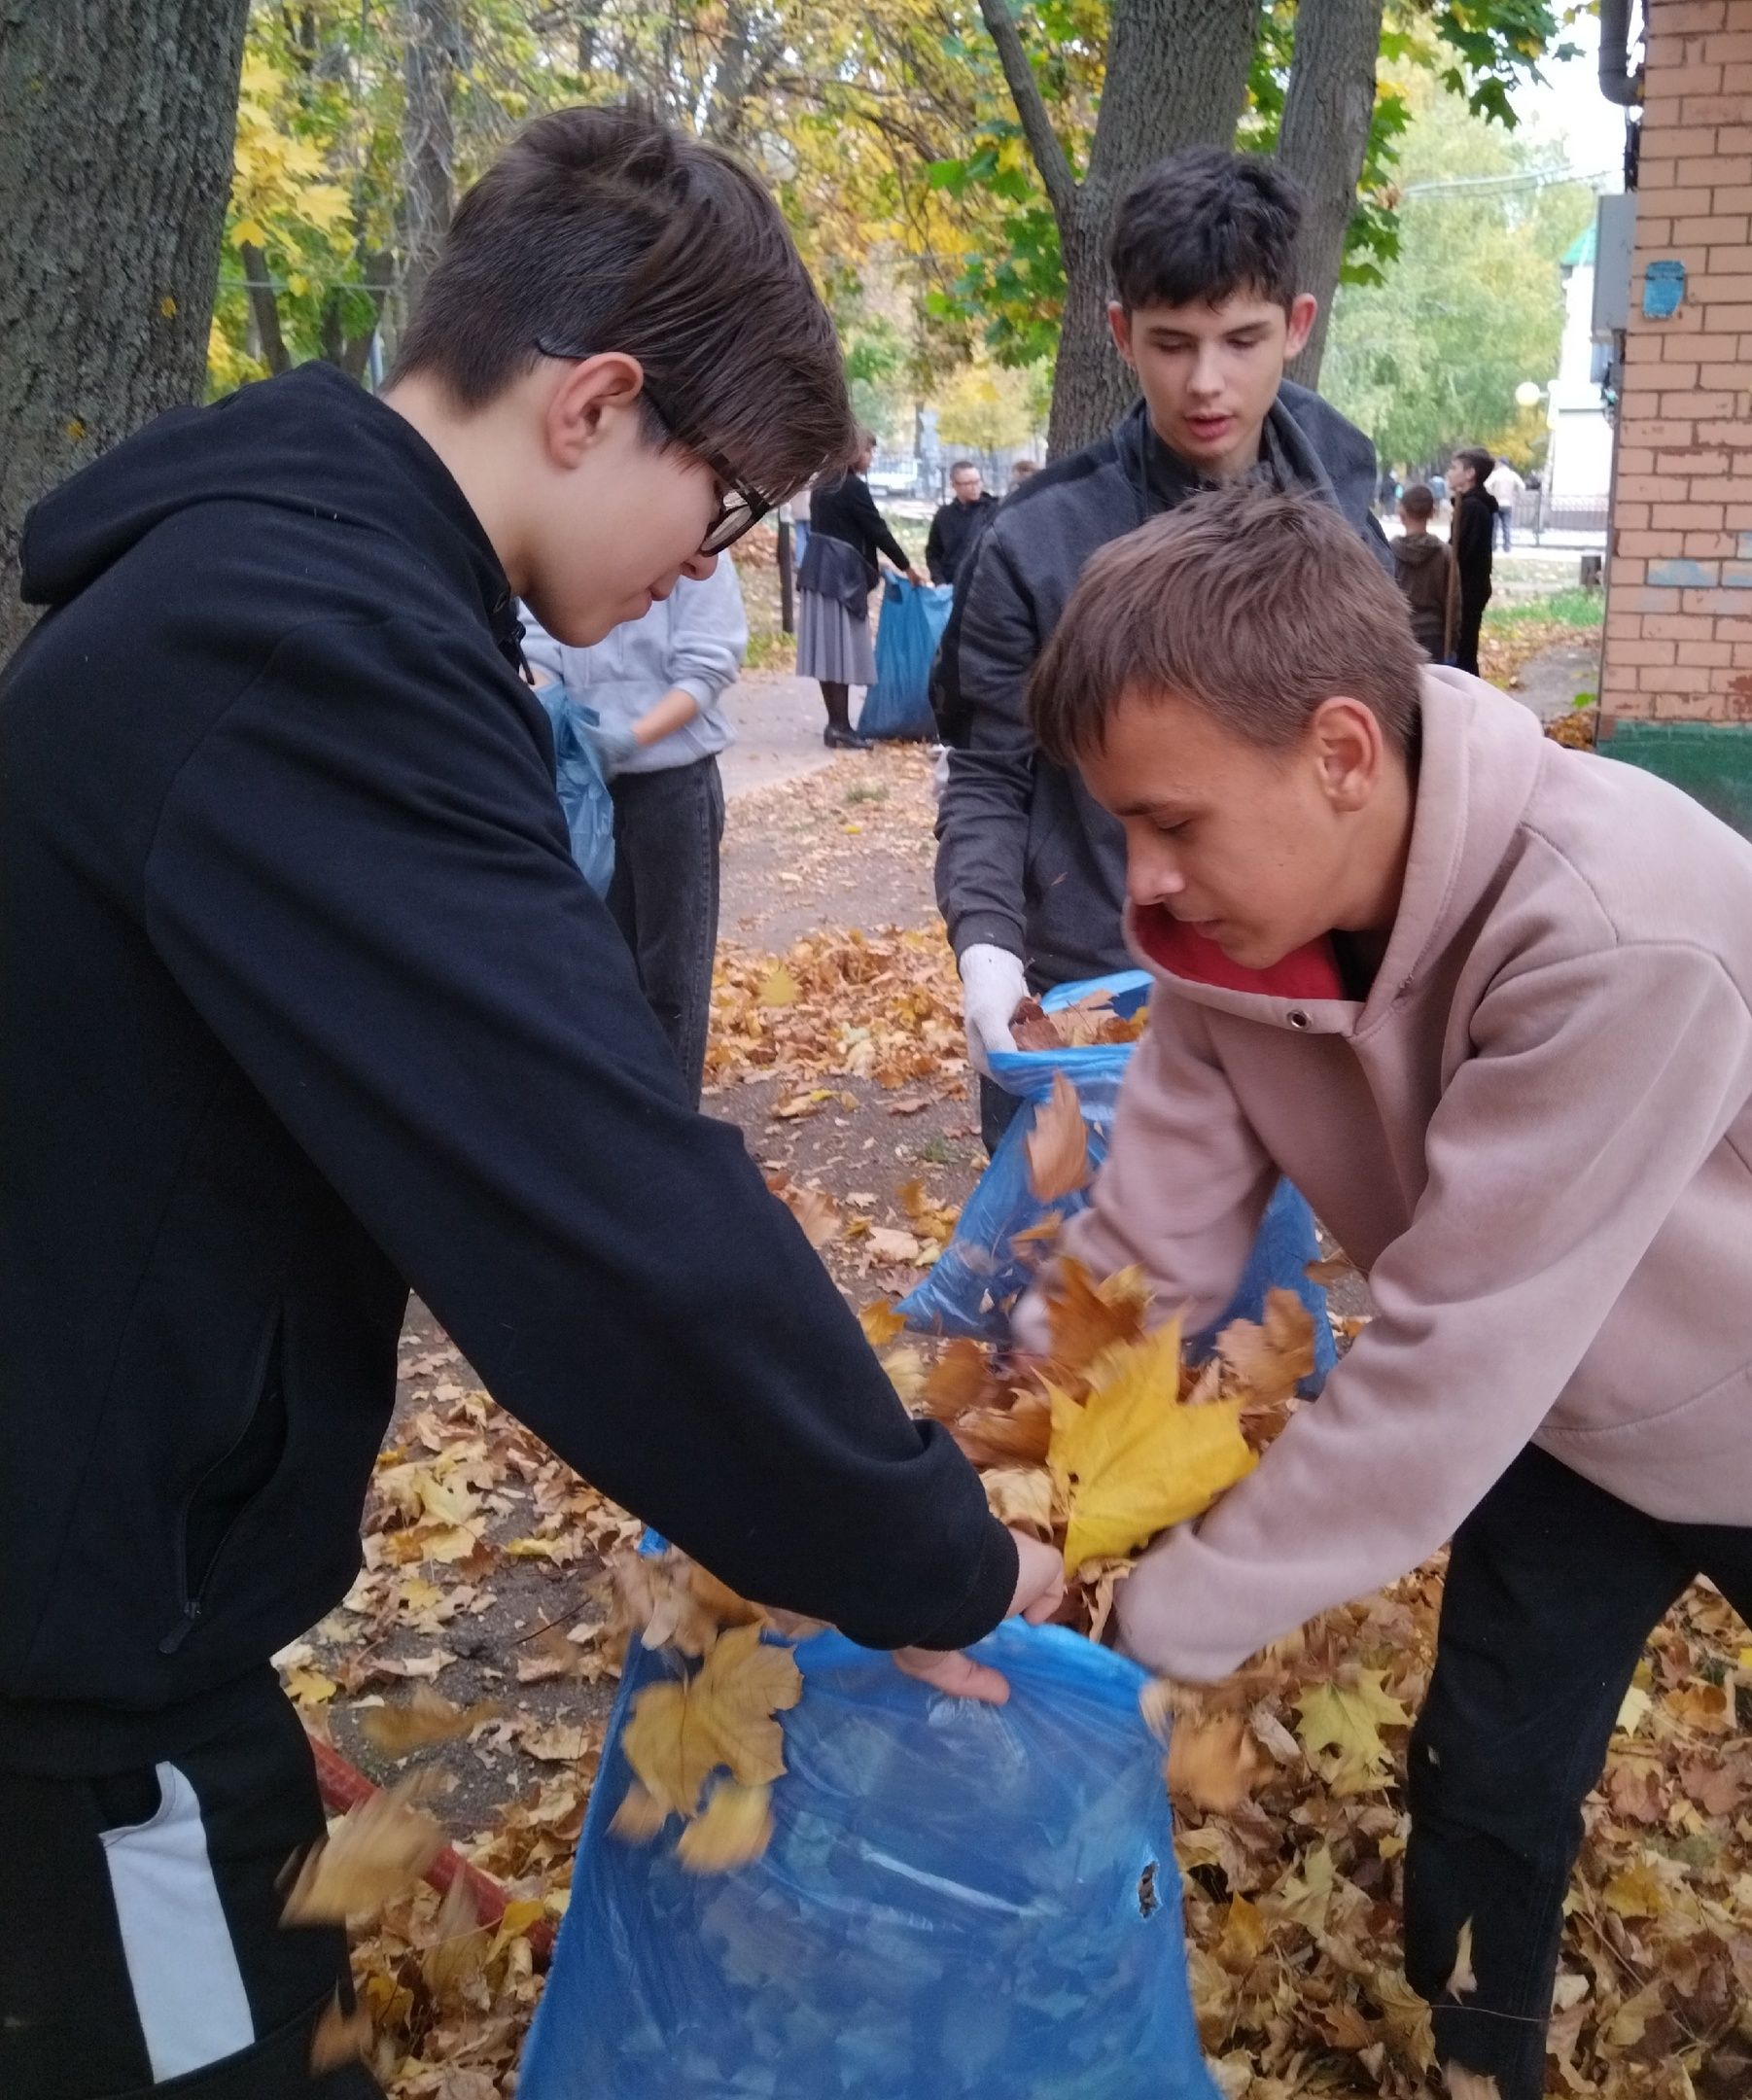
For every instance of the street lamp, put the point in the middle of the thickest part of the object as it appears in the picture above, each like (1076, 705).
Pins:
(1529, 393)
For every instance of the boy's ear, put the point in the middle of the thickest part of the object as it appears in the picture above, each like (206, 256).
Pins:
(1302, 309)
(1120, 322)
(588, 392)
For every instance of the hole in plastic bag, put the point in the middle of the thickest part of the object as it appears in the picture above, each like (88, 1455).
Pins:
(1148, 1902)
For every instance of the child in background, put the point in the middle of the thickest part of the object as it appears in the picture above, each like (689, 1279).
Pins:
(1423, 569)
(1486, 1001)
(655, 685)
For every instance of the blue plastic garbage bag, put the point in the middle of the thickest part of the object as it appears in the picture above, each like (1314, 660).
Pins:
(585, 798)
(959, 1903)
(980, 1272)
(913, 618)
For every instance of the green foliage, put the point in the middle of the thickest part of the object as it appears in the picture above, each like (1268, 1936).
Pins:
(1012, 278)
(1572, 608)
(1474, 304)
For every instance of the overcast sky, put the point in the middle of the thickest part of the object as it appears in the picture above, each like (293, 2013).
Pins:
(1570, 107)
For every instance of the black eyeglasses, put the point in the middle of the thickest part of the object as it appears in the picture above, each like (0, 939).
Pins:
(739, 511)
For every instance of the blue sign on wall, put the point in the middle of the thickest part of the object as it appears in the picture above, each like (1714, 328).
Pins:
(1663, 288)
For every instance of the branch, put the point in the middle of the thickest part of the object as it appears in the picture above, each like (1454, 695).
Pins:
(265, 307)
(1030, 108)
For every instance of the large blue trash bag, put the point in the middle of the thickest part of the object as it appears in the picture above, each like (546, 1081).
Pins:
(959, 1903)
(585, 798)
(913, 618)
(970, 1290)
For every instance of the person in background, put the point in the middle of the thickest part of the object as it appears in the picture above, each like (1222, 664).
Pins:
(1423, 570)
(1438, 488)
(1031, 871)
(1022, 471)
(955, 531)
(840, 571)
(1506, 485)
(655, 685)
(1469, 535)
(798, 511)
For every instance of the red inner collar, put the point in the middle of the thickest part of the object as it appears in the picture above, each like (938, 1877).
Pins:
(1308, 973)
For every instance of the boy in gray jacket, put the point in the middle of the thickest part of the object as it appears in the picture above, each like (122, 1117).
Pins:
(1031, 872)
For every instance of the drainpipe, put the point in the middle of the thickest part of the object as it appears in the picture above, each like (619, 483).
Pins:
(1618, 84)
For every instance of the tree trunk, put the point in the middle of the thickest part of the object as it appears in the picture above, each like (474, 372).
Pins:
(1176, 75)
(117, 119)
(432, 50)
(1327, 111)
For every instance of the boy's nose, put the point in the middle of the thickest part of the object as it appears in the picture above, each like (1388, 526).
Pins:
(1152, 876)
(699, 565)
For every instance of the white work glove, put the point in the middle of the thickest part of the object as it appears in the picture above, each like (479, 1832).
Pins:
(993, 984)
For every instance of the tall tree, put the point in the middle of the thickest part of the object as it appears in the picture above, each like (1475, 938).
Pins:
(115, 127)
(1176, 76)
(431, 60)
(1328, 109)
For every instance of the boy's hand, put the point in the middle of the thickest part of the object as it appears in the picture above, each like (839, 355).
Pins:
(994, 984)
(610, 745)
(1039, 1592)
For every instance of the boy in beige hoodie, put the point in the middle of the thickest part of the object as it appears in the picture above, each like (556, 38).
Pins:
(1486, 1001)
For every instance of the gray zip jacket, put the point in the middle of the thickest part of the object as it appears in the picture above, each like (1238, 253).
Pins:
(1025, 859)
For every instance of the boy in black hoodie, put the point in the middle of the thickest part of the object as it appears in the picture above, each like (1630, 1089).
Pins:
(1470, 535)
(305, 1003)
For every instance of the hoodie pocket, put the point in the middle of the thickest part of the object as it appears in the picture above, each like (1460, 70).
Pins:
(215, 1506)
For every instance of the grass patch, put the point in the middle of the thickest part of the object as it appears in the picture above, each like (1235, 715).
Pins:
(862, 792)
(1570, 607)
(937, 1151)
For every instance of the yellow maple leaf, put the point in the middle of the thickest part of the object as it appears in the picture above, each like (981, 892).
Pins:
(735, 1827)
(880, 1323)
(1347, 1719)
(1085, 1318)
(1638, 1891)
(779, 988)
(679, 1733)
(1130, 1460)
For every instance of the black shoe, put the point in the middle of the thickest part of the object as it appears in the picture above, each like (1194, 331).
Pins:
(837, 739)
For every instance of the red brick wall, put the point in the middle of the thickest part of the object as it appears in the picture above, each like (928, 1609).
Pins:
(1679, 599)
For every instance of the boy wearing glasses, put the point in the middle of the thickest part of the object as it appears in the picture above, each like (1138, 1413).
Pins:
(306, 1003)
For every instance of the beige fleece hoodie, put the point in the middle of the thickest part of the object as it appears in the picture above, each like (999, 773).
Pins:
(1535, 1137)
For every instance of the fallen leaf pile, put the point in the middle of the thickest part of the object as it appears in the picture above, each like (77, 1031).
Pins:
(836, 1006)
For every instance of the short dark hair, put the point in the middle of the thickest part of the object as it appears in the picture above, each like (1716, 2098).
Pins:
(1419, 500)
(963, 466)
(1203, 224)
(1253, 606)
(607, 230)
(1481, 462)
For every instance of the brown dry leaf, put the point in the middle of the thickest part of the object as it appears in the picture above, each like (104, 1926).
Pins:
(881, 1323)
(1058, 1145)
(1332, 1269)
(1717, 1789)
(1465, 2084)
(1461, 1981)
(560, 1742)
(1703, 1706)
(1215, 1764)
(1018, 1435)
(1033, 1027)
(1274, 1356)
(375, 1851)
(736, 1826)
(814, 1210)
(959, 1378)
(340, 2038)
(654, 1597)
(887, 1243)
(638, 1818)
(427, 1717)
(1085, 1318)
(550, 1656)
(679, 1733)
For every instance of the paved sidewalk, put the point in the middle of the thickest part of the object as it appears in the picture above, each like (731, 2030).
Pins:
(779, 721)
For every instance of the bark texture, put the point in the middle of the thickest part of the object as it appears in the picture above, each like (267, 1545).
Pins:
(116, 121)
(432, 54)
(1327, 111)
(1176, 76)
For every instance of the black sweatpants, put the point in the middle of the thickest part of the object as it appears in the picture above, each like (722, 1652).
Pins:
(142, 1950)
(1553, 1588)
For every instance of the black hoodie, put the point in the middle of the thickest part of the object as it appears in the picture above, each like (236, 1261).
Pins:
(304, 1002)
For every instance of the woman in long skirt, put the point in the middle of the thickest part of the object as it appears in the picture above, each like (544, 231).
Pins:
(838, 572)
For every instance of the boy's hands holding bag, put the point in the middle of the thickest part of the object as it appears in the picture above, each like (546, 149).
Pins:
(1039, 1592)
